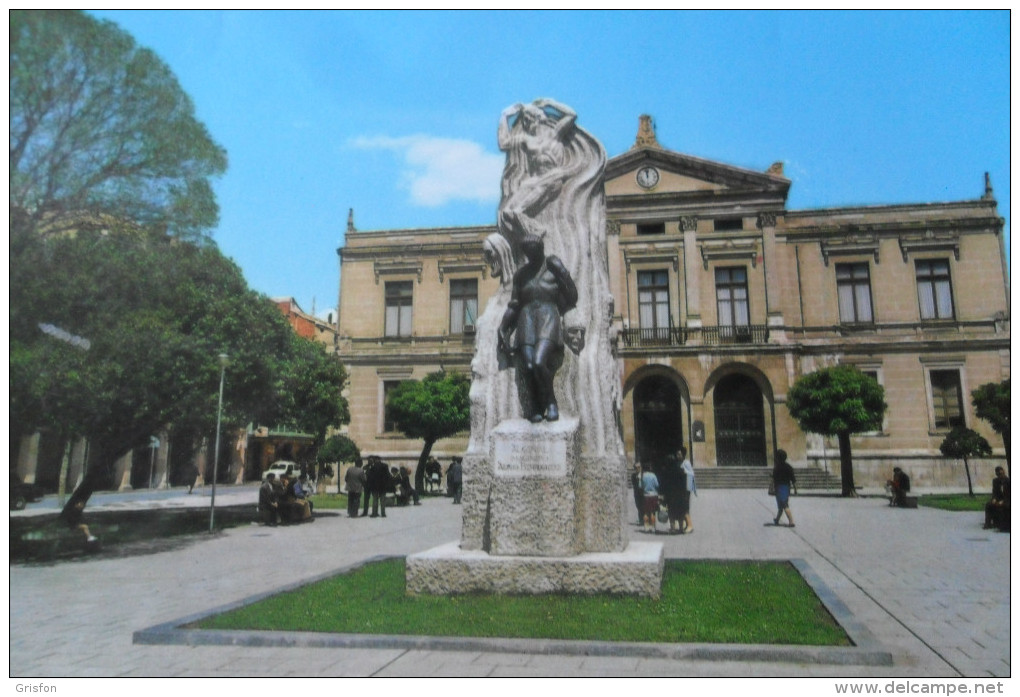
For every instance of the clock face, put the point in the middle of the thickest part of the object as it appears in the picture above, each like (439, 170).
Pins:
(647, 177)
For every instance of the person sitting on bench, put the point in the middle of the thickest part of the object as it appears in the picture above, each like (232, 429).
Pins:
(900, 487)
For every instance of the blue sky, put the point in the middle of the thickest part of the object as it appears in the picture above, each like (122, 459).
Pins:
(394, 114)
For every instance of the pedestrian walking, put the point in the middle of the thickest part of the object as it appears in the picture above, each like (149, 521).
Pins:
(783, 478)
(455, 478)
(689, 487)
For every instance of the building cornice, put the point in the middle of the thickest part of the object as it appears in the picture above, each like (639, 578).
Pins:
(897, 208)
(696, 167)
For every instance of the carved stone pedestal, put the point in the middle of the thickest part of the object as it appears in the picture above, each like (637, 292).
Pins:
(532, 505)
(552, 521)
(449, 570)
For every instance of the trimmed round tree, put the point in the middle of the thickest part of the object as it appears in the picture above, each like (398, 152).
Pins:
(991, 403)
(838, 401)
(338, 449)
(436, 407)
(962, 443)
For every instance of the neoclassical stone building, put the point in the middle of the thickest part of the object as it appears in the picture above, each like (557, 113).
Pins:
(724, 297)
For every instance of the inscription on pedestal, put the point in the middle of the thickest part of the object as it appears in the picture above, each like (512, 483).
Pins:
(519, 458)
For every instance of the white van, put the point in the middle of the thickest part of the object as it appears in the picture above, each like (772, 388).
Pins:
(282, 467)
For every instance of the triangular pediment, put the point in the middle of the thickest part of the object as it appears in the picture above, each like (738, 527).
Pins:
(677, 173)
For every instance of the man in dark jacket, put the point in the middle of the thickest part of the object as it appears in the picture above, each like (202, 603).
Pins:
(355, 482)
(455, 478)
(997, 509)
(379, 484)
(269, 500)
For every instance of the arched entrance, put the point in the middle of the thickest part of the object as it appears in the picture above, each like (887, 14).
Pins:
(658, 418)
(739, 422)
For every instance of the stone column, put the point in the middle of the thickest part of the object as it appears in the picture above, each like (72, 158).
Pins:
(200, 462)
(163, 461)
(77, 469)
(689, 227)
(122, 472)
(773, 275)
(28, 458)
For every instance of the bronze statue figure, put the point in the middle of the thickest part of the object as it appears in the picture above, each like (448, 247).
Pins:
(542, 292)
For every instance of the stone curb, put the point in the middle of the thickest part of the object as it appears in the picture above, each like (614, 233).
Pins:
(866, 650)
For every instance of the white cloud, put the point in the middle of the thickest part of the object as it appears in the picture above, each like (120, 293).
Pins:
(440, 170)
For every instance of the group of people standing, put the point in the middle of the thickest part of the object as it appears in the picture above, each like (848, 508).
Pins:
(374, 480)
(668, 486)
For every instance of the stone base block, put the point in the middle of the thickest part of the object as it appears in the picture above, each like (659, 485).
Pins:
(449, 570)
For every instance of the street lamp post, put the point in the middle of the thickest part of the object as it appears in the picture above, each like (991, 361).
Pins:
(224, 360)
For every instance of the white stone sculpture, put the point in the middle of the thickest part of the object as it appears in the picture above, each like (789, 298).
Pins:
(544, 498)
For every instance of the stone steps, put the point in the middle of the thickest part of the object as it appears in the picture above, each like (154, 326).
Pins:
(758, 478)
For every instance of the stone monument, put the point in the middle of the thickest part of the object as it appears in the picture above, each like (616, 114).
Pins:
(545, 473)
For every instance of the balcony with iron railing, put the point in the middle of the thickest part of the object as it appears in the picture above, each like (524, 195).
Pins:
(669, 337)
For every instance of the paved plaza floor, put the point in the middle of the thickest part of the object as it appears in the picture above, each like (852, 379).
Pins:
(931, 586)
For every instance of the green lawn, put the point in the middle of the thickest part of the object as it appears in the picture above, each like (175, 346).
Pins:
(954, 502)
(702, 601)
(323, 502)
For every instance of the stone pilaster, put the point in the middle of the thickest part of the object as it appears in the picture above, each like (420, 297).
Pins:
(772, 263)
(28, 458)
(689, 227)
(122, 472)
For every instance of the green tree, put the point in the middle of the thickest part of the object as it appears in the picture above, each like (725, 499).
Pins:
(99, 125)
(838, 401)
(157, 312)
(313, 385)
(337, 449)
(991, 403)
(437, 407)
(963, 443)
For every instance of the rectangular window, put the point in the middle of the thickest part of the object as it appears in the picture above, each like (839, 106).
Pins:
(731, 297)
(934, 289)
(653, 304)
(463, 304)
(946, 398)
(651, 229)
(389, 425)
(398, 308)
(728, 224)
(853, 286)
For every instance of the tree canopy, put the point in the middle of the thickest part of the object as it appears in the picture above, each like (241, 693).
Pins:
(838, 401)
(156, 313)
(436, 407)
(991, 403)
(338, 449)
(100, 125)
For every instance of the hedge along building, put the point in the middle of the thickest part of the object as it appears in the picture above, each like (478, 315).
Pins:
(723, 298)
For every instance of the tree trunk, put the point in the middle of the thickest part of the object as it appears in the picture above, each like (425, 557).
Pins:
(94, 476)
(970, 485)
(419, 471)
(846, 465)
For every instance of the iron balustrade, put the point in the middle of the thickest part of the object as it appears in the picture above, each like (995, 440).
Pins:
(740, 334)
(658, 337)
